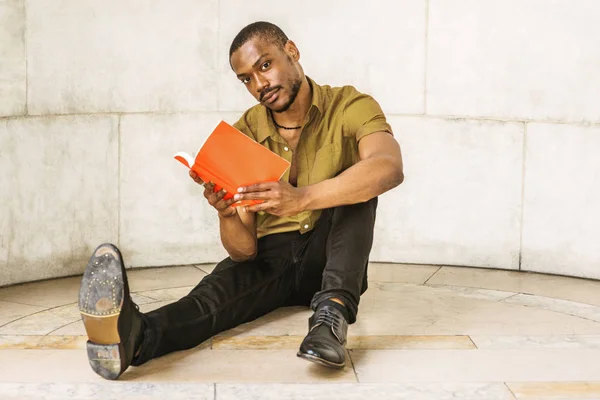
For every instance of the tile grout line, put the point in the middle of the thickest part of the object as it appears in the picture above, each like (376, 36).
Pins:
(353, 366)
(25, 44)
(119, 180)
(522, 194)
(510, 391)
(509, 297)
(426, 61)
(200, 268)
(472, 341)
(432, 275)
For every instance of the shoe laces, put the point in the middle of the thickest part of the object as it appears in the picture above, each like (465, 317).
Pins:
(327, 316)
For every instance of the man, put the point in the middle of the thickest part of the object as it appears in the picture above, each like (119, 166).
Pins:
(307, 243)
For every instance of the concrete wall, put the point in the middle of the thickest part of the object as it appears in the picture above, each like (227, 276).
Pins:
(496, 105)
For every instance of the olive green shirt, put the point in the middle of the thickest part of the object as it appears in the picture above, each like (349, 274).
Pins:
(336, 120)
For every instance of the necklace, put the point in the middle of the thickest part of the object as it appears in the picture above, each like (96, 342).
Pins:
(286, 127)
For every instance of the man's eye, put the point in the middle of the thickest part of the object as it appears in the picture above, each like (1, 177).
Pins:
(245, 81)
(266, 65)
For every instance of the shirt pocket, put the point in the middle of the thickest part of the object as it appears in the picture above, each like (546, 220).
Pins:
(328, 163)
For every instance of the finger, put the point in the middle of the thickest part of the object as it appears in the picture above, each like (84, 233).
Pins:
(208, 189)
(195, 177)
(252, 196)
(224, 204)
(258, 187)
(259, 207)
(228, 202)
(220, 194)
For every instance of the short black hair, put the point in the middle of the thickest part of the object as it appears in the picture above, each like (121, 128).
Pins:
(265, 30)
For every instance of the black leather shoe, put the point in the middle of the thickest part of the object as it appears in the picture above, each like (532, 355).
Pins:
(112, 320)
(326, 338)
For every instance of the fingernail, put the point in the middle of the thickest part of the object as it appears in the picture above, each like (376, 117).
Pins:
(240, 190)
(236, 197)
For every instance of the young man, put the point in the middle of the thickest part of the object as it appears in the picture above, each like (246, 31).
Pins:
(307, 243)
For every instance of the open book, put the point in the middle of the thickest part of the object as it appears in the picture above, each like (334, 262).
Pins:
(230, 159)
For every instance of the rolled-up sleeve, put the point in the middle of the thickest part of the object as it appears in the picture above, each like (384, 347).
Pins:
(363, 116)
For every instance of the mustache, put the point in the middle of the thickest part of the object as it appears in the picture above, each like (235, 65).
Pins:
(267, 91)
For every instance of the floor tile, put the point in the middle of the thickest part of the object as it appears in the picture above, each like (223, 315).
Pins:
(536, 342)
(413, 310)
(140, 299)
(46, 294)
(42, 342)
(43, 322)
(287, 342)
(555, 390)
(107, 391)
(73, 329)
(143, 279)
(348, 391)
(12, 311)
(432, 342)
(404, 309)
(283, 321)
(535, 365)
(46, 366)
(587, 311)
(145, 308)
(574, 289)
(407, 273)
(475, 293)
(172, 294)
(237, 366)
(354, 342)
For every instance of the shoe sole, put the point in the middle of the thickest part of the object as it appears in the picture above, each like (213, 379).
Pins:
(321, 361)
(100, 300)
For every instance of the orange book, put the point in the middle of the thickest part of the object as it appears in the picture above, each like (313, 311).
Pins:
(230, 160)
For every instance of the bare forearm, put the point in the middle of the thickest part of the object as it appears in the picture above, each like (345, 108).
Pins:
(361, 182)
(239, 243)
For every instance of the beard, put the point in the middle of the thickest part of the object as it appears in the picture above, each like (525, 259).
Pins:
(294, 89)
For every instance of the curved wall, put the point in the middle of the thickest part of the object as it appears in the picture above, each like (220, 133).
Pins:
(495, 104)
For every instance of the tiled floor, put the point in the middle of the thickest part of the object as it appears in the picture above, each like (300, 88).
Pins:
(423, 332)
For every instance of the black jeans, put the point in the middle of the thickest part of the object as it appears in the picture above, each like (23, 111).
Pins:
(290, 269)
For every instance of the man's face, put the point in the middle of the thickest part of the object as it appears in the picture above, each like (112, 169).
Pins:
(270, 73)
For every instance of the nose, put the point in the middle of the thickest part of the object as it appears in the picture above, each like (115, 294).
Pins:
(261, 84)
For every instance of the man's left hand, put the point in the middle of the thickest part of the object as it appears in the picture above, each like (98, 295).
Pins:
(280, 198)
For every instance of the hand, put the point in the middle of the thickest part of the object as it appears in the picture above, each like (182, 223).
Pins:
(280, 198)
(216, 199)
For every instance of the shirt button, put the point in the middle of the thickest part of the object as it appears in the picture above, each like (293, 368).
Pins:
(286, 148)
(306, 226)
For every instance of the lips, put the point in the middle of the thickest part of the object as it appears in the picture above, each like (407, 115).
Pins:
(269, 95)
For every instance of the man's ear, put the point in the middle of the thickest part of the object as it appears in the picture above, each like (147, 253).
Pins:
(292, 50)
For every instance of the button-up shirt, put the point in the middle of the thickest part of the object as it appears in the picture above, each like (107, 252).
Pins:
(338, 118)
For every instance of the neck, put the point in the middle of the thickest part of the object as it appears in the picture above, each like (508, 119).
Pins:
(294, 116)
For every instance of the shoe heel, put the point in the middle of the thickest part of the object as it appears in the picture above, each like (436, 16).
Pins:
(106, 359)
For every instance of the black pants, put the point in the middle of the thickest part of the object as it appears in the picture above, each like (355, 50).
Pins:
(290, 269)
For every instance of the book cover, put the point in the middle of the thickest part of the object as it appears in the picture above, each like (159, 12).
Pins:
(230, 159)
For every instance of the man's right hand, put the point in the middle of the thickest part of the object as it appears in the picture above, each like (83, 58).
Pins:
(215, 199)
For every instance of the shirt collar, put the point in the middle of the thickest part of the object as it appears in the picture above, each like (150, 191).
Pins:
(267, 128)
